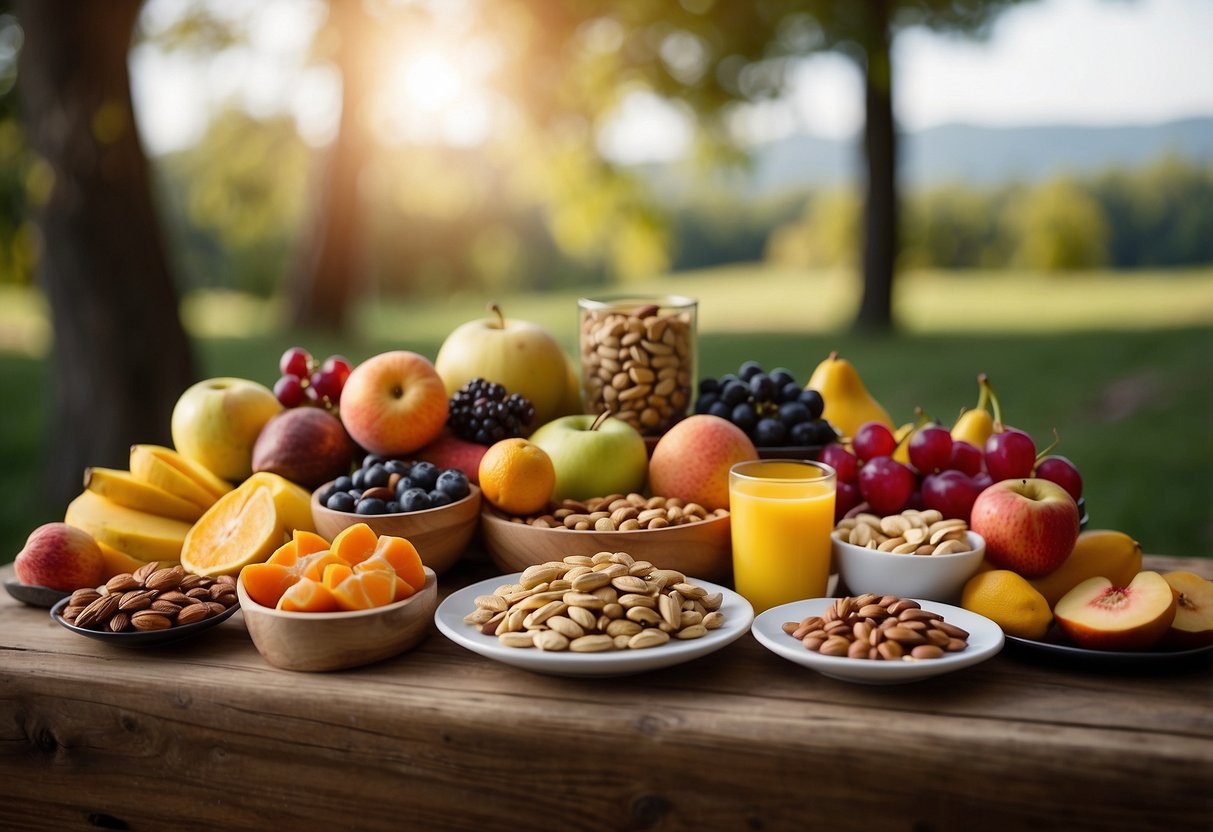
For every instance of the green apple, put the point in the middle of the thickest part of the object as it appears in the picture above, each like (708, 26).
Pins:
(593, 456)
(519, 355)
(216, 423)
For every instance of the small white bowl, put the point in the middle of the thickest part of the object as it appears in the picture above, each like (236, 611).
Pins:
(922, 577)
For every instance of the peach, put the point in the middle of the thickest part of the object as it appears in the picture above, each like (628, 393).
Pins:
(61, 557)
(306, 445)
(394, 403)
(1193, 625)
(692, 460)
(1097, 615)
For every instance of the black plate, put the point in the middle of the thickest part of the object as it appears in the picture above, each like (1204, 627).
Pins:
(1054, 648)
(151, 638)
(34, 595)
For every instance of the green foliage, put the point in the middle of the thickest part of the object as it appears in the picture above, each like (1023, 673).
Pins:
(1058, 227)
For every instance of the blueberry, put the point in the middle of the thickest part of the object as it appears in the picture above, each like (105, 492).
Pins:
(371, 459)
(720, 409)
(813, 401)
(803, 433)
(340, 501)
(762, 387)
(744, 416)
(793, 413)
(709, 385)
(343, 484)
(748, 370)
(415, 499)
(358, 480)
(424, 475)
(439, 498)
(453, 483)
(356, 493)
(734, 393)
(705, 402)
(790, 392)
(402, 485)
(375, 477)
(371, 505)
(769, 433)
(393, 507)
(396, 466)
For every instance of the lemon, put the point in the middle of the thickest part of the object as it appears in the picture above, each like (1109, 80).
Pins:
(1007, 599)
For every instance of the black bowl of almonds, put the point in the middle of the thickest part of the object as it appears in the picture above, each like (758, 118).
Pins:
(152, 606)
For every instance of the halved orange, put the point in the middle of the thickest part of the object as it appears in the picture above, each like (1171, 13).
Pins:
(242, 527)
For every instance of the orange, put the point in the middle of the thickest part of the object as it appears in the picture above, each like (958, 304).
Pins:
(1007, 599)
(266, 582)
(301, 544)
(306, 595)
(355, 543)
(517, 476)
(242, 527)
(364, 590)
(400, 556)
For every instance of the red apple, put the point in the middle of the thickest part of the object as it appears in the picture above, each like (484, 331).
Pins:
(306, 445)
(1099, 616)
(61, 557)
(394, 403)
(1029, 525)
(691, 461)
(449, 451)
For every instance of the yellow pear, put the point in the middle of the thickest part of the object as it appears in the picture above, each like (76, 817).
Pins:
(848, 404)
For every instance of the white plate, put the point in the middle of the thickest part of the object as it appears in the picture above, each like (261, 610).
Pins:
(736, 610)
(985, 640)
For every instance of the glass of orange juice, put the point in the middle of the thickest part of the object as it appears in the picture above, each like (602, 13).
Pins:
(781, 515)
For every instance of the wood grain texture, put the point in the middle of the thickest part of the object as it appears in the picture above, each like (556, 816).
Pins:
(207, 736)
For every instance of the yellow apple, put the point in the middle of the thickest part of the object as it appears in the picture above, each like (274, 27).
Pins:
(216, 422)
(519, 355)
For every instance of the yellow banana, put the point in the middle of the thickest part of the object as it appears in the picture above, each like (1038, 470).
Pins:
(125, 489)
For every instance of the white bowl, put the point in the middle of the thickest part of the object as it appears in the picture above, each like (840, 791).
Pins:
(932, 577)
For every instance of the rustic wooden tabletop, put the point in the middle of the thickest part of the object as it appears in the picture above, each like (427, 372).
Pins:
(206, 735)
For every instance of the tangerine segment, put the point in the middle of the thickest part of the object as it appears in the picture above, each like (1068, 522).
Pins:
(403, 557)
(242, 527)
(265, 583)
(379, 563)
(303, 543)
(335, 573)
(365, 590)
(355, 543)
(312, 566)
(307, 595)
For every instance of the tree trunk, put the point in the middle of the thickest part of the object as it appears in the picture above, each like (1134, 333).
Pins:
(120, 357)
(880, 157)
(326, 276)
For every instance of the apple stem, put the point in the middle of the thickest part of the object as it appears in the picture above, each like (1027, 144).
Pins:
(602, 417)
(496, 310)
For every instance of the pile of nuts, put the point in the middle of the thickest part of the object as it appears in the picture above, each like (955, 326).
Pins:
(638, 365)
(883, 628)
(151, 598)
(588, 604)
(622, 513)
(910, 533)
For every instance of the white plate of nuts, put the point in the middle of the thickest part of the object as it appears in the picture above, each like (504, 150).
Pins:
(619, 627)
(877, 640)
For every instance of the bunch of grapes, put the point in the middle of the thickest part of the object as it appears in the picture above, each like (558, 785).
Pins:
(485, 412)
(771, 408)
(943, 473)
(304, 382)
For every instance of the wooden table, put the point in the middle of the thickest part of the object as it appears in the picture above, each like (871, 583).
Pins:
(206, 735)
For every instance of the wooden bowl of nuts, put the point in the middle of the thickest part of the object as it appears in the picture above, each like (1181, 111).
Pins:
(440, 534)
(912, 555)
(665, 532)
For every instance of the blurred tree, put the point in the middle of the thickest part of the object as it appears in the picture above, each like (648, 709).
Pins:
(121, 356)
(1058, 227)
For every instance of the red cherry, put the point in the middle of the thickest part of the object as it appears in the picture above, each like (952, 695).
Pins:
(930, 449)
(1010, 454)
(846, 497)
(844, 463)
(295, 362)
(886, 484)
(873, 439)
(965, 457)
(289, 391)
(1062, 471)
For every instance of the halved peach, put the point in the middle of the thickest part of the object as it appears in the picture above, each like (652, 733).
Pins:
(1193, 624)
(1097, 615)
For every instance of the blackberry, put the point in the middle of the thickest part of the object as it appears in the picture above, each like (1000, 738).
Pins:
(484, 412)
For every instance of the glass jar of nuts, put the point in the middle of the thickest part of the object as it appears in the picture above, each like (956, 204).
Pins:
(638, 358)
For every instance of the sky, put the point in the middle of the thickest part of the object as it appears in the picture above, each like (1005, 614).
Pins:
(1087, 62)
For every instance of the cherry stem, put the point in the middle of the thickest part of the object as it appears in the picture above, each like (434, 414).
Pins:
(983, 394)
(1052, 445)
(496, 310)
(602, 417)
(988, 389)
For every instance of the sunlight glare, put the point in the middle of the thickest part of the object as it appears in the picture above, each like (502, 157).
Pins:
(431, 82)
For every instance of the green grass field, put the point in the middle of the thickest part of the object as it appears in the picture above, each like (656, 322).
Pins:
(1118, 364)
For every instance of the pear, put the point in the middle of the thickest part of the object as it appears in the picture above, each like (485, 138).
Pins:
(848, 404)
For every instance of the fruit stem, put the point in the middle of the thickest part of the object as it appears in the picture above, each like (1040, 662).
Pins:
(1052, 445)
(987, 389)
(602, 417)
(983, 392)
(496, 310)
(833, 356)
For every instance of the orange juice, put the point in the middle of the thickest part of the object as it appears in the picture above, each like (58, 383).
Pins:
(782, 513)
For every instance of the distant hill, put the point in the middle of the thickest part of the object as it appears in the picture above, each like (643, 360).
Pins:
(980, 155)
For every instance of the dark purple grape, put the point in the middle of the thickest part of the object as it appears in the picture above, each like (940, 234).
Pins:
(793, 413)
(770, 433)
(748, 370)
(705, 401)
(720, 409)
(790, 392)
(763, 388)
(708, 385)
(734, 393)
(813, 401)
(782, 377)
(744, 416)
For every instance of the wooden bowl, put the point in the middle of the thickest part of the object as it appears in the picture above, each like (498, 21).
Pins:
(336, 640)
(703, 550)
(440, 534)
